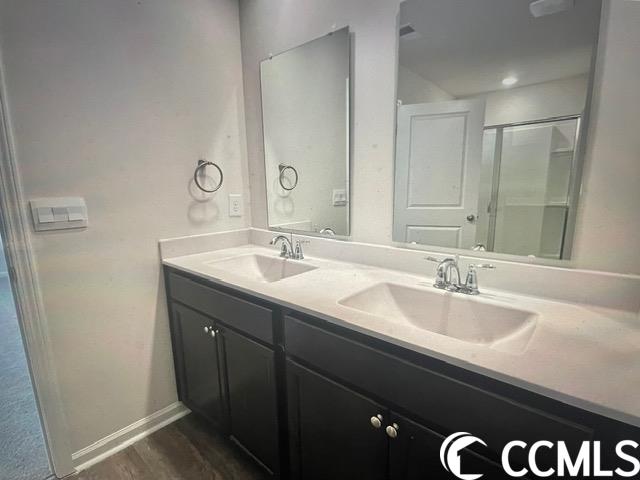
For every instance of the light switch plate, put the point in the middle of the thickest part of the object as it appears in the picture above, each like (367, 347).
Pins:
(236, 205)
(59, 213)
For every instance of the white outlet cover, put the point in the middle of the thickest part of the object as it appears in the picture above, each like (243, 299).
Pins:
(236, 205)
(339, 197)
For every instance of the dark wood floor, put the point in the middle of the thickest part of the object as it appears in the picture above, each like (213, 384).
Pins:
(184, 450)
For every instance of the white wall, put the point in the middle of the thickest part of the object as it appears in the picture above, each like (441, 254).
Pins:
(412, 88)
(275, 26)
(115, 101)
(608, 225)
(534, 102)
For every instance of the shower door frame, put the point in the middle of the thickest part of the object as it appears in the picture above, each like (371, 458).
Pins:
(574, 180)
(21, 266)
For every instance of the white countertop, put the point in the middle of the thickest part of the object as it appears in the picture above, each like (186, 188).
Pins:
(579, 354)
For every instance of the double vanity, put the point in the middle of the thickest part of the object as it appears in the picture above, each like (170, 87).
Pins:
(323, 367)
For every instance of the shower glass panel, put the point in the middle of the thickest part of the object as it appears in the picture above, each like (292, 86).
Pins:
(532, 169)
(486, 215)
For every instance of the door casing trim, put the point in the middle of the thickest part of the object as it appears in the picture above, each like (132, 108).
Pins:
(14, 224)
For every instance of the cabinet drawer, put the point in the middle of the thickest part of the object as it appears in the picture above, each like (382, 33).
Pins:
(248, 317)
(445, 403)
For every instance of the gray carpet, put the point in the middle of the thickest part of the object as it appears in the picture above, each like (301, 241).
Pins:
(22, 450)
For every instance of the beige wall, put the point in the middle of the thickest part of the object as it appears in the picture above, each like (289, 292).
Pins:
(608, 232)
(115, 101)
(608, 226)
(557, 98)
(412, 88)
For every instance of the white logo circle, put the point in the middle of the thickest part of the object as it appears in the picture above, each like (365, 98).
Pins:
(450, 454)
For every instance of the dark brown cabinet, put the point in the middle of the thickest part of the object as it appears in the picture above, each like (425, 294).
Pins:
(252, 397)
(331, 432)
(199, 376)
(225, 366)
(269, 377)
(338, 433)
(414, 454)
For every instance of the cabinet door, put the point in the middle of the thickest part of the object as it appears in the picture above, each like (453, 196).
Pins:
(415, 455)
(252, 397)
(331, 432)
(199, 375)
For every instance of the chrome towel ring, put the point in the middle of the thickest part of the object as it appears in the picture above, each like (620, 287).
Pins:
(283, 168)
(202, 164)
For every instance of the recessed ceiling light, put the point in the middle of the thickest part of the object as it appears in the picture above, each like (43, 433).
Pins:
(507, 82)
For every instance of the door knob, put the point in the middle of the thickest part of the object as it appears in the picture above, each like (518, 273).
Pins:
(376, 421)
(392, 430)
(471, 218)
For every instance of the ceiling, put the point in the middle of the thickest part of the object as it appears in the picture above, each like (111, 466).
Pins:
(467, 47)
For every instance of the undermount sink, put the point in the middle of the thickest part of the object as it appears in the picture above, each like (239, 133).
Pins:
(261, 268)
(453, 315)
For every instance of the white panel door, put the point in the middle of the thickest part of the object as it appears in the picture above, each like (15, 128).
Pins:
(438, 156)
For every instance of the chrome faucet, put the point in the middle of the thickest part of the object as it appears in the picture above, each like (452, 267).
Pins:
(328, 231)
(287, 250)
(449, 266)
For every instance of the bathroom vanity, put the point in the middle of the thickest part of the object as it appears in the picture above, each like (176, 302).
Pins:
(315, 388)
(350, 363)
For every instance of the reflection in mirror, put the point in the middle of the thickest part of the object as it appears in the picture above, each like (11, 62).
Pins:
(492, 102)
(305, 108)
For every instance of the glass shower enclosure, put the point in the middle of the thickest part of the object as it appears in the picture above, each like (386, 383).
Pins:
(529, 183)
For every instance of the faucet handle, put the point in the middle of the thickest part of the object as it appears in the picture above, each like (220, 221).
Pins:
(299, 254)
(455, 259)
(485, 266)
(471, 284)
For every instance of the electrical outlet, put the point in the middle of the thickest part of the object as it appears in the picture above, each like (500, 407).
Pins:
(339, 197)
(236, 206)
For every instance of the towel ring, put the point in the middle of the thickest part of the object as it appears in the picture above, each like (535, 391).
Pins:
(283, 168)
(202, 164)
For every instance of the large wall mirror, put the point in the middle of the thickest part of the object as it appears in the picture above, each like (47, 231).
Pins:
(305, 108)
(493, 98)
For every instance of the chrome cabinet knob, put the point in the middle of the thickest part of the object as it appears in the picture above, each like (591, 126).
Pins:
(392, 430)
(213, 333)
(206, 329)
(376, 421)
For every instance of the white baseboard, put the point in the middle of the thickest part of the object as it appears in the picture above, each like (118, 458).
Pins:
(117, 441)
